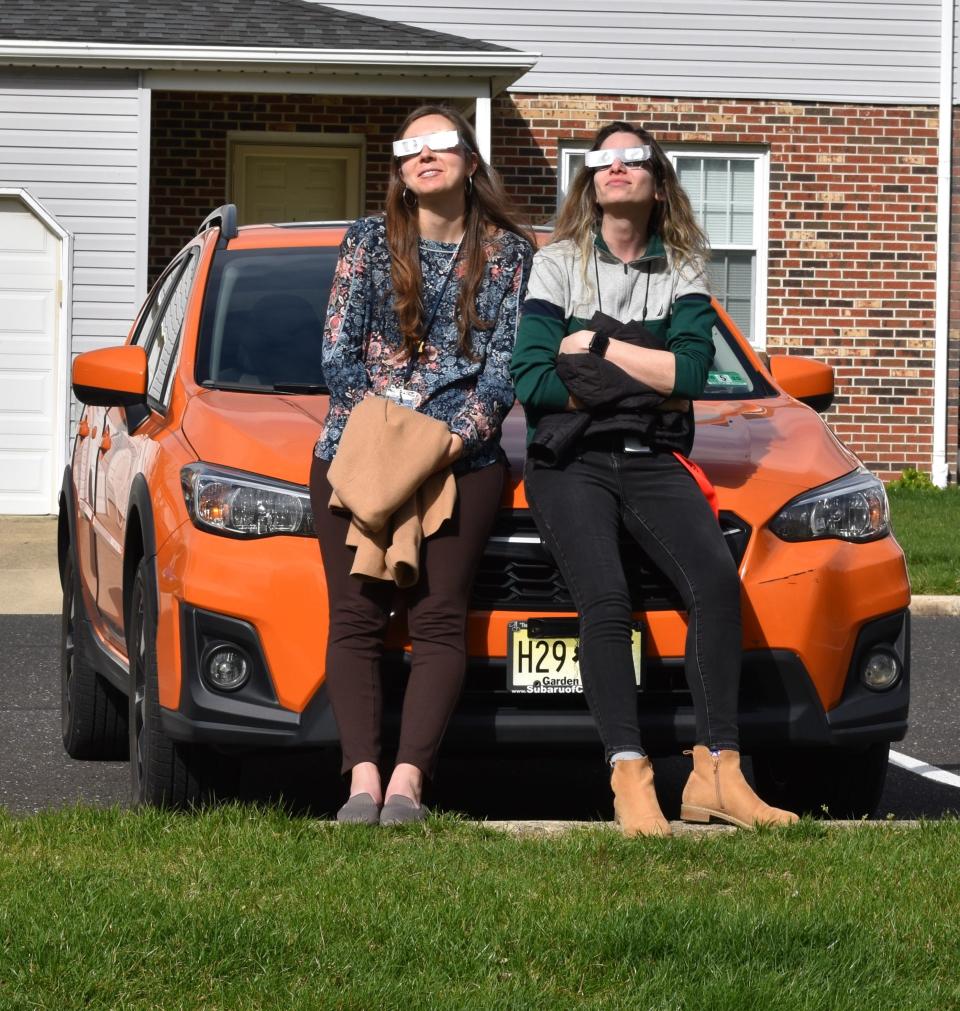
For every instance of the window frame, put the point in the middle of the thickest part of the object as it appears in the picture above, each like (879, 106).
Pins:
(564, 148)
(760, 156)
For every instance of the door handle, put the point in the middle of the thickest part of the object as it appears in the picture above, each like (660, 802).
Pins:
(105, 442)
(83, 429)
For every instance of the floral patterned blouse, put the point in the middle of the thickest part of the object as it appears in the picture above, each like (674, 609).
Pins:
(363, 349)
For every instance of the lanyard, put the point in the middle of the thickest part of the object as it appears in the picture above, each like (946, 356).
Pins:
(428, 326)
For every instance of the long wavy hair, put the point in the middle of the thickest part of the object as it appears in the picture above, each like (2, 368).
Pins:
(672, 216)
(487, 208)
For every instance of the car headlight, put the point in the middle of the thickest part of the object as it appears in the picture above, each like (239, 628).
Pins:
(236, 504)
(853, 508)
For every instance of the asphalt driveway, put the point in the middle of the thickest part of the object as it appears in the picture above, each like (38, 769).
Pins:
(36, 774)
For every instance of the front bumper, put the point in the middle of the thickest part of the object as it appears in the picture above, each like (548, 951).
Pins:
(779, 704)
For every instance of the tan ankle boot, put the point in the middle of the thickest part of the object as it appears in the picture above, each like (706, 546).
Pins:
(716, 789)
(635, 807)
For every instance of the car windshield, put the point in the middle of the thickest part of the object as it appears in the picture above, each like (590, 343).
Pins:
(731, 375)
(262, 326)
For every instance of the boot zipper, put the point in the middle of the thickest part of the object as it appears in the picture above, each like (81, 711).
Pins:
(716, 780)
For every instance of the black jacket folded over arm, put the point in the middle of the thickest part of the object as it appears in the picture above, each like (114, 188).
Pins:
(613, 400)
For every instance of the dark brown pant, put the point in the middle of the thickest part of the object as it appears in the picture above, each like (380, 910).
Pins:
(436, 619)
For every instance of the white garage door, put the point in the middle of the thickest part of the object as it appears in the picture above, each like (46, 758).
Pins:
(29, 306)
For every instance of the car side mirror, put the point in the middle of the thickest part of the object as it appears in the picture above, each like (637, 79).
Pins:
(809, 381)
(111, 377)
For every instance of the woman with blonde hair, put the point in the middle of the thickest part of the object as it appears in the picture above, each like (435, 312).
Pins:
(423, 312)
(614, 343)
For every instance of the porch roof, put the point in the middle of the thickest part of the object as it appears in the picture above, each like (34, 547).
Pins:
(244, 37)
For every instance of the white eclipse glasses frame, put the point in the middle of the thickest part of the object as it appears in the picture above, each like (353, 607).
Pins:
(442, 141)
(632, 157)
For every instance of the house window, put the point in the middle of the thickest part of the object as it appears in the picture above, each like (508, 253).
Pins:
(569, 162)
(728, 191)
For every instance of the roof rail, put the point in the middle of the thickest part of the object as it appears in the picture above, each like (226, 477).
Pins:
(225, 218)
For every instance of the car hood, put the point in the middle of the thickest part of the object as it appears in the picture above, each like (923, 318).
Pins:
(262, 433)
(758, 453)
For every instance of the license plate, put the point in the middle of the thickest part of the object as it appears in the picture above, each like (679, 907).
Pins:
(543, 657)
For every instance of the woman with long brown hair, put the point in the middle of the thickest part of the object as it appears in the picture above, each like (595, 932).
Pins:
(615, 342)
(423, 312)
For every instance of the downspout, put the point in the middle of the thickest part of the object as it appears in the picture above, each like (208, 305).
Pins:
(484, 127)
(940, 468)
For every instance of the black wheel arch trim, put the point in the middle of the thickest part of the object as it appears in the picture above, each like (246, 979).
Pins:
(140, 523)
(97, 655)
(67, 504)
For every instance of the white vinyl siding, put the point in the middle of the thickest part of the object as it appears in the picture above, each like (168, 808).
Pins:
(884, 52)
(74, 143)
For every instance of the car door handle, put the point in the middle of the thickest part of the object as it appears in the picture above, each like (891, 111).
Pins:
(105, 442)
(83, 429)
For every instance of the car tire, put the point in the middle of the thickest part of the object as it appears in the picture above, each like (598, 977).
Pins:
(93, 713)
(163, 772)
(824, 782)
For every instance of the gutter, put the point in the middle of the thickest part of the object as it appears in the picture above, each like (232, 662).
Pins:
(939, 466)
(97, 54)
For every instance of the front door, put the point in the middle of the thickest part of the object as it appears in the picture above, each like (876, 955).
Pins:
(275, 183)
(29, 323)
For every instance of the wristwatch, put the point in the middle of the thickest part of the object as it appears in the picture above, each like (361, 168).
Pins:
(598, 344)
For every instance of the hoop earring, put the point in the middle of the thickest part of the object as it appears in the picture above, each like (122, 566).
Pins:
(469, 185)
(409, 198)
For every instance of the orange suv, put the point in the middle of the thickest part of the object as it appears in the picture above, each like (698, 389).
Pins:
(194, 603)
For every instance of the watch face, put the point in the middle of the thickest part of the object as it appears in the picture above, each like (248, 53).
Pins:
(598, 344)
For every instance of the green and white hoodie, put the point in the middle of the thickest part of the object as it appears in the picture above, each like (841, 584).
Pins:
(673, 303)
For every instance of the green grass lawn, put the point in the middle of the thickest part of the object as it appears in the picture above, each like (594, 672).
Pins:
(245, 909)
(927, 525)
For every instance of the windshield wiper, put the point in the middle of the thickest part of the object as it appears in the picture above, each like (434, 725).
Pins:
(227, 384)
(299, 388)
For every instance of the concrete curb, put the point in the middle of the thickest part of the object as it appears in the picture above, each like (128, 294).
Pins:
(554, 828)
(551, 829)
(930, 606)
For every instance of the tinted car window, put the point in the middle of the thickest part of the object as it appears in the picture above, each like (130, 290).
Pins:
(157, 300)
(262, 326)
(166, 337)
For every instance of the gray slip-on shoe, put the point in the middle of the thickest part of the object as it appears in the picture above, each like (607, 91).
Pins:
(360, 809)
(400, 810)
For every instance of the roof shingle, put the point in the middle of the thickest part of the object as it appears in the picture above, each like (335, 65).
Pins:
(283, 24)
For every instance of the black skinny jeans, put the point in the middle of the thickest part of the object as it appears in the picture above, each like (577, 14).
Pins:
(436, 618)
(579, 509)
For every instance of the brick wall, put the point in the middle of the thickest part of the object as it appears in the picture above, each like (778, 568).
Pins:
(852, 219)
(852, 237)
(188, 157)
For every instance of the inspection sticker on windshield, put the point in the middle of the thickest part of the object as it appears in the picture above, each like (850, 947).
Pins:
(539, 662)
(725, 379)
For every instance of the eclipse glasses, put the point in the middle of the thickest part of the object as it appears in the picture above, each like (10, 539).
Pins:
(632, 157)
(443, 141)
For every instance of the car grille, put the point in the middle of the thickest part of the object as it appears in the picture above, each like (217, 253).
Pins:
(517, 572)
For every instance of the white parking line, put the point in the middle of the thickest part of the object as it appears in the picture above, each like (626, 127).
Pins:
(931, 772)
